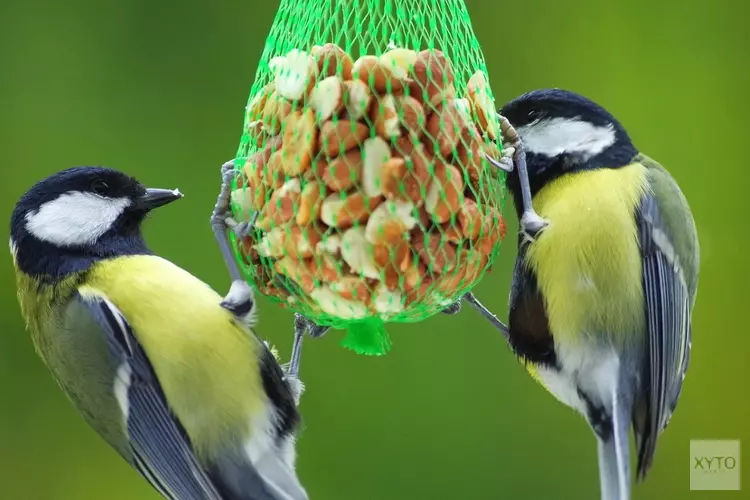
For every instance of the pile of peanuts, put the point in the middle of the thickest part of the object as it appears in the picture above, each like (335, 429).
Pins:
(370, 182)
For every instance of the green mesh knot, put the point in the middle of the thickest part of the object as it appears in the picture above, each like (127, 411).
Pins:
(363, 154)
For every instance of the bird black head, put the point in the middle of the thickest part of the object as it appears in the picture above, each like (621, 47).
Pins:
(564, 132)
(69, 220)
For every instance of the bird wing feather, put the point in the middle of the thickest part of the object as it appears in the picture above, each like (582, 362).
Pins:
(669, 302)
(161, 449)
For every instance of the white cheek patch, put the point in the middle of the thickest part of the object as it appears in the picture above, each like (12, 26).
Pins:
(565, 135)
(75, 218)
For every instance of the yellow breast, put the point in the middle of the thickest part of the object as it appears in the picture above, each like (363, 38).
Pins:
(587, 260)
(206, 364)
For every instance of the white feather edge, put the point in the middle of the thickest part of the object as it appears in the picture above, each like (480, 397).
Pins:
(75, 218)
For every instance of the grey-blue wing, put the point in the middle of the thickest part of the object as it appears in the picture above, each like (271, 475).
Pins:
(668, 314)
(161, 449)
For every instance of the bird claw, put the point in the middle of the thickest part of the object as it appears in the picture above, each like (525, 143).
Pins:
(242, 229)
(227, 167)
(317, 331)
(222, 209)
(304, 324)
(453, 309)
(507, 130)
(504, 163)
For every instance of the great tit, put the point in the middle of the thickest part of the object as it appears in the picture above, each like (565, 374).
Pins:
(166, 371)
(603, 290)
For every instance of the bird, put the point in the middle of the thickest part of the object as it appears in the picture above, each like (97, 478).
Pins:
(603, 289)
(168, 372)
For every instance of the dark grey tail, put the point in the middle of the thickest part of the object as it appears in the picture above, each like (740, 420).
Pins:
(614, 449)
(269, 479)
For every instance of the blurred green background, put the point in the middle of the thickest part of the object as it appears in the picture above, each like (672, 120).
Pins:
(157, 88)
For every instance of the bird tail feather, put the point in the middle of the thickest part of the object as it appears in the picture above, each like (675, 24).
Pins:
(269, 477)
(614, 453)
(280, 477)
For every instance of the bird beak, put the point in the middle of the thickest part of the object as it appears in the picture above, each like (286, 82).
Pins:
(155, 198)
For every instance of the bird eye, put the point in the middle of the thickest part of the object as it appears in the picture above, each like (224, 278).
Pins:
(100, 187)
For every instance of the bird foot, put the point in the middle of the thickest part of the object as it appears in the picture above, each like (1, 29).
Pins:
(302, 325)
(222, 208)
(317, 331)
(453, 309)
(222, 222)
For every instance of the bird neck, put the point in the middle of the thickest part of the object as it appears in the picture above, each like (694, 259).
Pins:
(50, 263)
(41, 301)
(543, 169)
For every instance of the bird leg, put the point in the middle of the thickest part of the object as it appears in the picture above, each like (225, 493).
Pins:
(240, 300)
(222, 222)
(469, 297)
(303, 325)
(453, 309)
(514, 156)
(488, 315)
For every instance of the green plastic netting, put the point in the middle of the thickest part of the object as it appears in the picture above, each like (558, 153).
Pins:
(363, 153)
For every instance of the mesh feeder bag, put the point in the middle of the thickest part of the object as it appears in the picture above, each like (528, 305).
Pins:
(362, 162)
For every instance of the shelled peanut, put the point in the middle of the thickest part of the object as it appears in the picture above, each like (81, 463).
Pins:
(370, 180)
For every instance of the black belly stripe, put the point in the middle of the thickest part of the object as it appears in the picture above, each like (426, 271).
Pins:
(529, 331)
(279, 393)
(597, 416)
